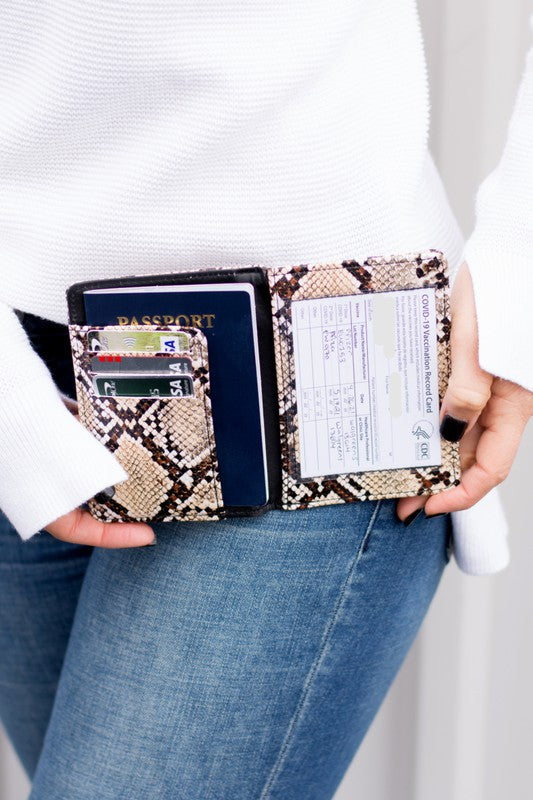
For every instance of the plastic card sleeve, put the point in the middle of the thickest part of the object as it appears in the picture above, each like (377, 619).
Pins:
(288, 285)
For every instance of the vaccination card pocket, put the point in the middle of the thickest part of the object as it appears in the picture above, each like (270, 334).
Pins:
(362, 361)
(143, 392)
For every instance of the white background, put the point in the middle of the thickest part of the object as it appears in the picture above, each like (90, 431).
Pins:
(456, 725)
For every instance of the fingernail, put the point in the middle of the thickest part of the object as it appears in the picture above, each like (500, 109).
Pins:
(411, 517)
(440, 514)
(452, 429)
(154, 541)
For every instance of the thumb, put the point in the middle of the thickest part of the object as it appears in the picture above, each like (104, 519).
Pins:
(79, 527)
(469, 387)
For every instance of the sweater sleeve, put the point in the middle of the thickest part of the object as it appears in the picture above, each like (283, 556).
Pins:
(499, 252)
(49, 463)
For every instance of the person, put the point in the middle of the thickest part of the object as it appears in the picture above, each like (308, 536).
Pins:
(243, 658)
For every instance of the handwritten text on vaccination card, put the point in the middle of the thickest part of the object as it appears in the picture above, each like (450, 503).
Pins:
(366, 382)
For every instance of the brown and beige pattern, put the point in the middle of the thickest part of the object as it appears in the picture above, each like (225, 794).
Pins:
(375, 274)
(165, 444)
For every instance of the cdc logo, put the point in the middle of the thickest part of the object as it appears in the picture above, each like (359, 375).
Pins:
(422, 431)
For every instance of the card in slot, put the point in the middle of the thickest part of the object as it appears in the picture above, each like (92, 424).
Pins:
(138, 341)
(161, 365)
(143, 386)
(362, 358)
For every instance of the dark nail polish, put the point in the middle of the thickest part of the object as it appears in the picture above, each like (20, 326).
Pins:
(149, 544)
(105, 494)
(412, 516)
(452, 429)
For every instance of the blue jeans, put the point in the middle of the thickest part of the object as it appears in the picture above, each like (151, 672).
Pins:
(236, 660)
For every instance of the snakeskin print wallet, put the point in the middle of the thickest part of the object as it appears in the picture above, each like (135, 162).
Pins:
(352, 359)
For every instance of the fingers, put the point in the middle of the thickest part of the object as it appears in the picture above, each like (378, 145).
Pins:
(487, 451)
(468, 446)
(469, 390)
(469, 386)
(79, 527)
(408, 508)
(495, 453)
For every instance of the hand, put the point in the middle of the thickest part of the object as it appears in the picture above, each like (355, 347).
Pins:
(79, 527)
(486, 413)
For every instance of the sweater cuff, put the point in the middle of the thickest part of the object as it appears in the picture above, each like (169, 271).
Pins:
(480, 544)
(503, 287)
(49, 463)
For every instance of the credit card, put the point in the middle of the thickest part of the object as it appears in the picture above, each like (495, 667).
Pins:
(119, 364)
(142, 341)
(142, 386)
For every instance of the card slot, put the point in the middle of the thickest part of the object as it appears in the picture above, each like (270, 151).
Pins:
(350, 278)
(166, 444)
(149, 339)
(179, 364)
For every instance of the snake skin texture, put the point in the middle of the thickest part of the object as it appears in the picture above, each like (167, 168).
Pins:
(375, 274)
(166, 444)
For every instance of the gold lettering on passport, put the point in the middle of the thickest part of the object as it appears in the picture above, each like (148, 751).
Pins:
(183, 320)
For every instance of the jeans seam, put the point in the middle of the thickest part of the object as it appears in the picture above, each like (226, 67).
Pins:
(315, 666)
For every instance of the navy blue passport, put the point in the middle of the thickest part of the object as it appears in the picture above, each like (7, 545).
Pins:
(226, 314)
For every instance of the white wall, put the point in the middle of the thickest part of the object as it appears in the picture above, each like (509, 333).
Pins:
(456, 724)
(13, 783)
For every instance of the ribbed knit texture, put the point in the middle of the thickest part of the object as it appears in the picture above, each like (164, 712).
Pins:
(165, 136)
(49, 463)
(500, 250)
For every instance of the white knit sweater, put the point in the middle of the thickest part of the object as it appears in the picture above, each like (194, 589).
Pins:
(146, 137)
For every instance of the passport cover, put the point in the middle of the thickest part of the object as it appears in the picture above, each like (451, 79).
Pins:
(187, 485)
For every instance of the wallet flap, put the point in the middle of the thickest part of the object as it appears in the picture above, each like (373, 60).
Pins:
(289, 285)
(165, 443)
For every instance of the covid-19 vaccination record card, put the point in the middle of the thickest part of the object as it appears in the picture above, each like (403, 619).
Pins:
(366, 382)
